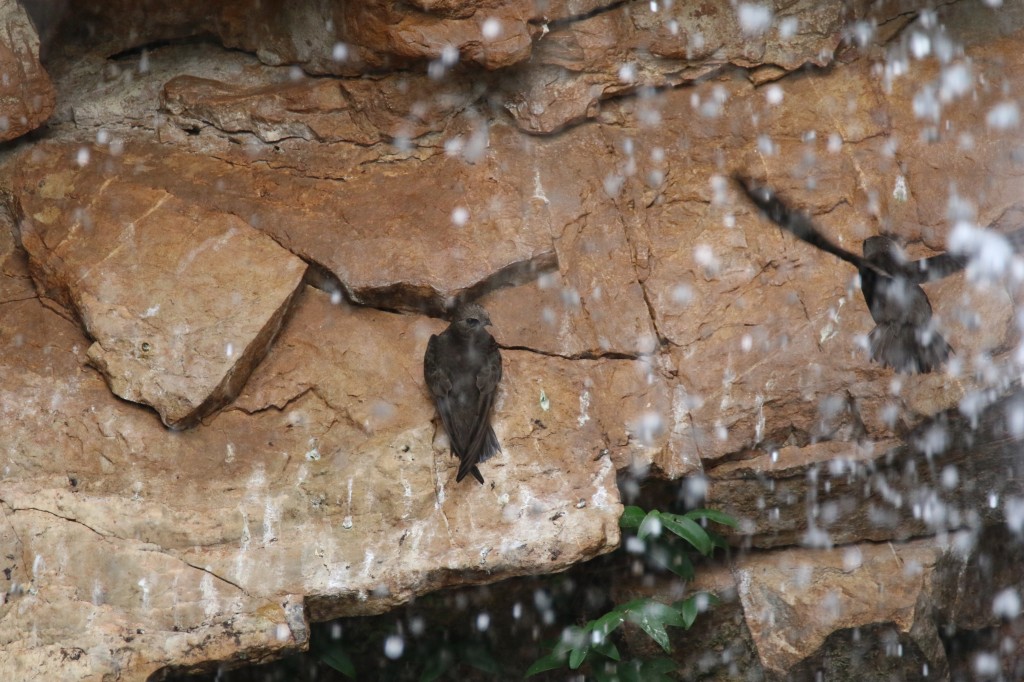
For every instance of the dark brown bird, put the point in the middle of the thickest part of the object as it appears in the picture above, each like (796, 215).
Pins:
(462, 368)
(904, 337)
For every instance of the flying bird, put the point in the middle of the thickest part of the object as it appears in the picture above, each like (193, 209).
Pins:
(904, 337)
(462, 368)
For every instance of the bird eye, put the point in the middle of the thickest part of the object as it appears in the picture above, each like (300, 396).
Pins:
(473, 320)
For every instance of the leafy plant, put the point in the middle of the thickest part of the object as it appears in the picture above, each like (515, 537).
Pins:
(337, 658)
(671, 551)
(653, 617)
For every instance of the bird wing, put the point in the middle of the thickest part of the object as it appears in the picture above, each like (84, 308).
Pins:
(440, 386)
(798, 223)
(480, 439)
(933, 268)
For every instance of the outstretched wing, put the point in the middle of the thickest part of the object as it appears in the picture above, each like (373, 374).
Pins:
(798, 223)
(933, 268)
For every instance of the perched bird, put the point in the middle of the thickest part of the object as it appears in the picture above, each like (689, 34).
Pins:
(904, 337)
(462, 368)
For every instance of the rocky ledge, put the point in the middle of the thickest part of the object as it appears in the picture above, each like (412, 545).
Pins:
(223, 254)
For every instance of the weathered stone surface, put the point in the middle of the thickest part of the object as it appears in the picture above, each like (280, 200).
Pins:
(360, 111)
(322, 479)
(793, 602)
(579, 53)
(27, 96)
(181, 301)
(671, 329)
(840, 613)
(956, 472)
(371, 35)
(340, 227)
(732, 286)
(641, 45)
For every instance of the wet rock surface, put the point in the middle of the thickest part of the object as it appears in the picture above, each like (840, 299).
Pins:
(181, 302)
(652, 324)
(26, 93)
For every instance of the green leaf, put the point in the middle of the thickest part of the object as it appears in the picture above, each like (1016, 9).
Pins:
(338, 658)
(717, 540)
(631, 517)
(688, 608)
(682, 566)
(688, 530)
(608, 648)
(652, 618)
(609, 621)
(666, 613)
(712, 515)
(651, 525)
(545, 663)
(671, 556)
(577, 656)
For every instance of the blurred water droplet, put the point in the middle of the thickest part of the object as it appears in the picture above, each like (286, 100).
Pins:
(788, 27)
(394, 645)
(491, 28)
(920, 45)
(459, 216)
(1003, 116)
(1006, 604)
(754, 19)
(483, 621)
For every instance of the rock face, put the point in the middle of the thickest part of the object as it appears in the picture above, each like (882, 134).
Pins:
(27, 96)
(861, 610)
(333, 496)
(255, 234)
(181, 301)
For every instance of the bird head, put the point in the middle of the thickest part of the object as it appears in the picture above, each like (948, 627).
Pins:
(883, 251)
(470, 317)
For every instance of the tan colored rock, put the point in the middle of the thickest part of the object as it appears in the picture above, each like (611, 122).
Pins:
(181, 301)
(724, 283)
(855, 610)
(360, 111)
(593, 305)
(792, 602)
(342, 227)
(672, 329)
(324, 37)
(27, 97)
(578, 53)
(637, 46)
(321, 486)
(951, 475)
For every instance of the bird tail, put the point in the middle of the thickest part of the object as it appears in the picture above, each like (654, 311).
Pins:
(491, 447)
(471, 469)
(907, 348)
(488, 448)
